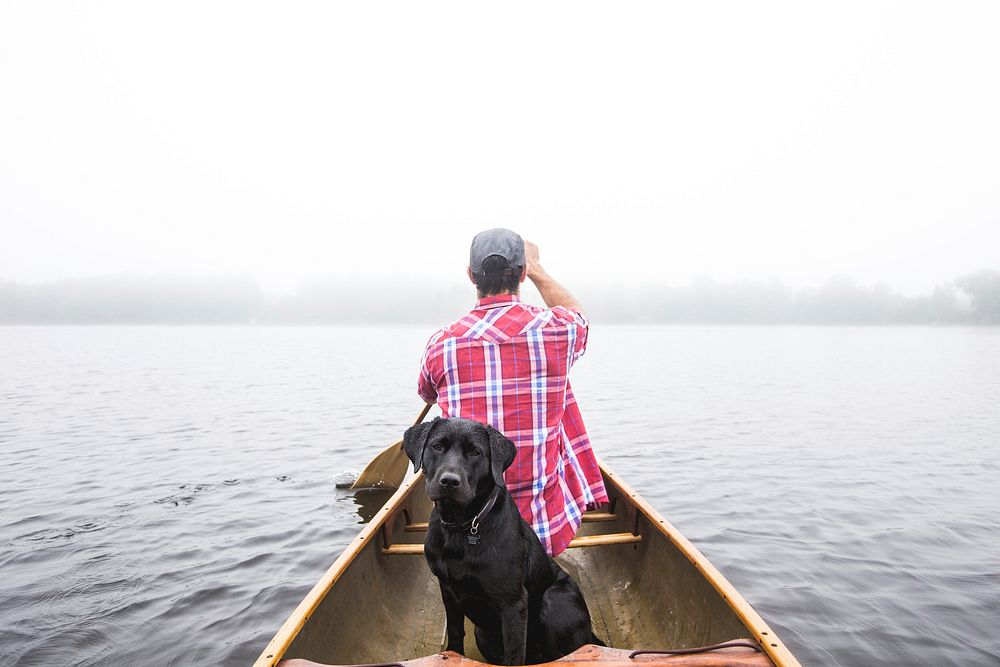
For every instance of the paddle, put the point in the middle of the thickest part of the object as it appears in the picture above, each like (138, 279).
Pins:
(387, 469)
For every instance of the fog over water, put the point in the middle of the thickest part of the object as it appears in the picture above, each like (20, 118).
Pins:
(971, 299)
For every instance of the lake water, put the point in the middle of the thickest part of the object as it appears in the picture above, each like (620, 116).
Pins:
(167, 493)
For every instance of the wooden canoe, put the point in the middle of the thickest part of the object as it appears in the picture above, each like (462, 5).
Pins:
(646, 585)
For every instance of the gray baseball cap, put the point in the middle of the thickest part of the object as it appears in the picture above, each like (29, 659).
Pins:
(501, 242)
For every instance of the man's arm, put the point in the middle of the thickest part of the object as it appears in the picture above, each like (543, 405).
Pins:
(553, 294)
(425, 385)
(426, 390)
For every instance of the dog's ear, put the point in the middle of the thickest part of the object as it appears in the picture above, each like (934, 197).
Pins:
(502, 453)
(414, 440)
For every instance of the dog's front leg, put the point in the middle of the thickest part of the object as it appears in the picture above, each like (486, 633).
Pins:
(514, 623)
(455, 622)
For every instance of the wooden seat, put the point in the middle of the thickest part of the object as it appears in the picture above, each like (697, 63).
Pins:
(589, 517)
(576, 543)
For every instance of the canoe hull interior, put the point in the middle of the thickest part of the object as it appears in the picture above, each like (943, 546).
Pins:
(381, 605)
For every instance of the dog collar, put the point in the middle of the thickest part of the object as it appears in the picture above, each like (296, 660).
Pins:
(472, 525)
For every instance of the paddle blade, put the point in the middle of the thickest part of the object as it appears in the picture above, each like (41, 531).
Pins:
(385, 471)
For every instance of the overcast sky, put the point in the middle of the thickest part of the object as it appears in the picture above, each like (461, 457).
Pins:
(659, 141)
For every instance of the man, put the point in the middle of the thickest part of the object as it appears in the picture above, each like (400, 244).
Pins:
(506, 364)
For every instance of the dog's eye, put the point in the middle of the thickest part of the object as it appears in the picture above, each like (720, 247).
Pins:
(437, 446)
(474, 452)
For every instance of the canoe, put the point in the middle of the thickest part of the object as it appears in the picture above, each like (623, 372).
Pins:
(647, 587)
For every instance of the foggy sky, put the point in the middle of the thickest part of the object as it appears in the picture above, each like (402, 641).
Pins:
(642, 142)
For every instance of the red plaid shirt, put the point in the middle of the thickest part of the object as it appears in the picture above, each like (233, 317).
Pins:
(506, 364)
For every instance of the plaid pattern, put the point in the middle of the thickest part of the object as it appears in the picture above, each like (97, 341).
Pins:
(506, 364)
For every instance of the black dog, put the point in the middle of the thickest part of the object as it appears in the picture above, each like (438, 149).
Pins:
(488, 560)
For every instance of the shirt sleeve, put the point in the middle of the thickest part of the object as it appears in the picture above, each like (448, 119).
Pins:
(578, 326)
(426, 388)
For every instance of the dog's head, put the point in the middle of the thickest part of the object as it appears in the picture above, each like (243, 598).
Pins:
(461, 458)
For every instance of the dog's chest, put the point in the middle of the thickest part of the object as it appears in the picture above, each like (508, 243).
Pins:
(463, 576)
(461, 573)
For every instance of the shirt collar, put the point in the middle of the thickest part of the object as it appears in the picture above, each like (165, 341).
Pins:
(497, 301)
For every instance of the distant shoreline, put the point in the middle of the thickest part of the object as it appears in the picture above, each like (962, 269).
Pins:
(973, 299)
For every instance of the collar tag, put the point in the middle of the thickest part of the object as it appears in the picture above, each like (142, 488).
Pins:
(473, 535)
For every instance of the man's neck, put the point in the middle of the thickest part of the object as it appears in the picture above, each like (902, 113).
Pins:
(487, 296)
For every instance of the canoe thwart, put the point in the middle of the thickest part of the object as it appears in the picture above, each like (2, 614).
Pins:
(576, 543)
(604, 540)
(404, 550)
(589, 517)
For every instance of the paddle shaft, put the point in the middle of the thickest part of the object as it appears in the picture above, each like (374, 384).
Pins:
(423, 413)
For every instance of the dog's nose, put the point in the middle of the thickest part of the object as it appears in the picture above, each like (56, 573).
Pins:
(449, 479)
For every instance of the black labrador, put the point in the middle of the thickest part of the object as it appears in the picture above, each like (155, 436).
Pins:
(489, 562)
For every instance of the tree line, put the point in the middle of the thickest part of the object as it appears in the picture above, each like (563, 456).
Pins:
(130, 299)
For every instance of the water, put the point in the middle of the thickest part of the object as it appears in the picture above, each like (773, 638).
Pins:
(167, 493)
